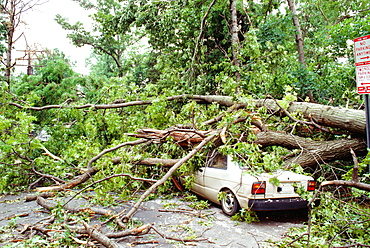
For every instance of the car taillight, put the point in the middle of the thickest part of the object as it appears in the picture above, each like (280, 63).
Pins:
(311, 185)
(259, 188)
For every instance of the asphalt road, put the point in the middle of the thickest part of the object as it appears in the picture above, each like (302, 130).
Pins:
(172, 218)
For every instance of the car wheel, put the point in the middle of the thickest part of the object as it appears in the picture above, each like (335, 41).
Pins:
(229, 203)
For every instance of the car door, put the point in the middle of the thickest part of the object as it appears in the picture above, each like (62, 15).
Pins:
(207, 179)
(198, 186)
(213, 176)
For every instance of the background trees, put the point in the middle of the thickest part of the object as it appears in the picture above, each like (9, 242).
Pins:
(191, 45)
(11, 18)
(147, 52)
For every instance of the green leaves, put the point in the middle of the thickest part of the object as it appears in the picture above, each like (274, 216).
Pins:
(15, 144)
(246, 215)
(332, 223)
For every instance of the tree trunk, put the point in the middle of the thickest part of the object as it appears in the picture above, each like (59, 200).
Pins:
(346, 119)
(312, 152)
(298, 36)
(234, 37)
(13, 11)
(10, 34)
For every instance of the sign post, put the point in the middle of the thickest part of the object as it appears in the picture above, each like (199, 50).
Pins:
(362, 60)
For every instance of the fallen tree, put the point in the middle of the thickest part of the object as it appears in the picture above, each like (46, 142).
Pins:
(310, 152)
(347, 119)
(341, 133)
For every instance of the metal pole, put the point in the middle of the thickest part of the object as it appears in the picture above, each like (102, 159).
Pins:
(367, 111)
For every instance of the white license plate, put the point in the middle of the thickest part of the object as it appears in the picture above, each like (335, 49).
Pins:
(286, 189)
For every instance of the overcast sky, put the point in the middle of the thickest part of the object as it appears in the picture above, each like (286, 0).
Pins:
(42, 31)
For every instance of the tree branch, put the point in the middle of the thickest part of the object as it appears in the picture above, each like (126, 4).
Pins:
(101, 238)
(130, 143)
(107, 178)
(357, 185)
(49, 205)
(167, 176)
(72, 183)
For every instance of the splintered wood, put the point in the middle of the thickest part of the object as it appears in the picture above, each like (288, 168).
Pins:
(182, 137)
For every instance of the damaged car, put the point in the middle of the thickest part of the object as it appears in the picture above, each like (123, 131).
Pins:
(223, 181)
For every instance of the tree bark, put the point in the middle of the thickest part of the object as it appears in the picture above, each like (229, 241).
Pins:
(346, 119)
(49, 205)
(101, 238)
(183, 137)
(312, 152)
(10, 33)
(298, 36)
(72, 183)
(157, 161)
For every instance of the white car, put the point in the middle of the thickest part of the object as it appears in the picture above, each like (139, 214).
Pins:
(238, 189)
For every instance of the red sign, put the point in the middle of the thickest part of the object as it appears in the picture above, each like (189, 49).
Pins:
(362, 50)
(363, 79)
(362, 59)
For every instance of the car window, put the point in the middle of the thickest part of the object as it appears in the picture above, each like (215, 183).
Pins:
(219, 161)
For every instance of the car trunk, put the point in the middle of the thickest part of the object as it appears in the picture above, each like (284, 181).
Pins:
(287, 183)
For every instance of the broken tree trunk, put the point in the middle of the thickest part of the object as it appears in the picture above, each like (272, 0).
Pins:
(347, 119)
(183, 137)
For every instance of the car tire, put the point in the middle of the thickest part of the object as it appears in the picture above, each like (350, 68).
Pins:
(229, 203)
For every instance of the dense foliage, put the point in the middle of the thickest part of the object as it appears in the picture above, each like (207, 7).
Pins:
(190, 47)
(155, 49)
